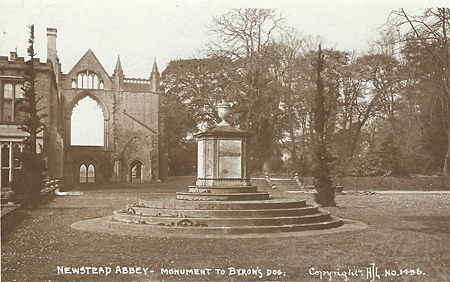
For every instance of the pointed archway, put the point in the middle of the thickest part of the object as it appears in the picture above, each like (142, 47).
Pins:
(87, 119)
(136, 157)
(136, 169)
(87, 124)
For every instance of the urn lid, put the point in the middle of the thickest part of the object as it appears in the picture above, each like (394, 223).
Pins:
(223, 130)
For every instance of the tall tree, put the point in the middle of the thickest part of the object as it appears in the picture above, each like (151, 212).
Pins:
(246, 37)
(428, 35)
(373, 78)
(29, 180)
(198, 84)
(287, 74)
(192, 89)
(324, 186)
(305, 87)
(33, 118)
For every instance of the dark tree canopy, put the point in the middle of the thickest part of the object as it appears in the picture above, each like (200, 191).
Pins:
(384, 110)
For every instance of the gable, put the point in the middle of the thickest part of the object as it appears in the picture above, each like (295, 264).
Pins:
(90, 63)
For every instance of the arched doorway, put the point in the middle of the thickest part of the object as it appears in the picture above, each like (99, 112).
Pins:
(86, 173)
(136, 152)
(136, 171)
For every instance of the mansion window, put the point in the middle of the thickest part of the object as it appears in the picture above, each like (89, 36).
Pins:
(9, 161)
(12, 101)
(87, 80)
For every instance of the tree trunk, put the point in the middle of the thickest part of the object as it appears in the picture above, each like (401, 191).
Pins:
(447, 157)
(354, 140)
(293, 149)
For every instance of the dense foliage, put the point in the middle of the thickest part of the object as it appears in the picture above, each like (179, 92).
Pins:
(387, 109)
(29, 180)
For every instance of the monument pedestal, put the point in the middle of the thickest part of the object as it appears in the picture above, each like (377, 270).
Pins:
(222, 167)
(222, 201)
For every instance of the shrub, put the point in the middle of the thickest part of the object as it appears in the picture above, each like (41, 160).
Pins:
(276, 164)
(183, 159)
(106, 167)
(368, 165)
(29, 180)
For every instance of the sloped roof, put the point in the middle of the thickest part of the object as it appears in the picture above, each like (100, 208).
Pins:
(89, 62)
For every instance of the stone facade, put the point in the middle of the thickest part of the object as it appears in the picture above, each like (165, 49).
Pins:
(12, 71)
(132, 149)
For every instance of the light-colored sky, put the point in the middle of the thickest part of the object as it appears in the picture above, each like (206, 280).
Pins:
(87, 131)
(140, 30)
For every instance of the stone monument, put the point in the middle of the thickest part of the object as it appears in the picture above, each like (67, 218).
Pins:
(222, 165)
(222, 201)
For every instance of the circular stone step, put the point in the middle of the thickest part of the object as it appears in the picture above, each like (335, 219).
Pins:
(278, 212)
(236, 230)
(220, 222)
(274, 203)
(222, 196)
(223, 189)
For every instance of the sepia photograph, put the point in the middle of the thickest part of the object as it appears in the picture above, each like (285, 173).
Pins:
(199, 140)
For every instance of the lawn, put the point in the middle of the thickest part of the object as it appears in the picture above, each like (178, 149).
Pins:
(405, 232)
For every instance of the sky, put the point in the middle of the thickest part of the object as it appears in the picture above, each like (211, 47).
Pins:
(87, 131)
(142, 31)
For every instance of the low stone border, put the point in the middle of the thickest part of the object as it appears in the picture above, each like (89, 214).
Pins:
(9, 212)
(9, 216)
(95, 225)
(46, 196)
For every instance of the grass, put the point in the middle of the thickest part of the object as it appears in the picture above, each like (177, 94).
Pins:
(405, 232)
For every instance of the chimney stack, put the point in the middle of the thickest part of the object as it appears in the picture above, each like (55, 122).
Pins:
(13, 55)
(51, 46)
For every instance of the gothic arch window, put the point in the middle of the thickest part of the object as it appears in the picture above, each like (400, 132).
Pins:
(91, 174)
(9, 162)
(82, 172)
(80, 81)
(5, 155)
(87, 80)
(87, 124)
(5, 166)
(95, 82)
(17, 149)
(86, 174)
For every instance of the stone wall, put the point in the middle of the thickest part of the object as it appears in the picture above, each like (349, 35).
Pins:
(47, 90)
(131, 113)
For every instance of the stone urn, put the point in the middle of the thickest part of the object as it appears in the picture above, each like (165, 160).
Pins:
(11, 197)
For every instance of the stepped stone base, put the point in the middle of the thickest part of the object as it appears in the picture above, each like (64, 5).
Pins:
(222, 205)
(220, 210)
(222, 196)
(223, 189)
(219, 230)
(221, 217)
